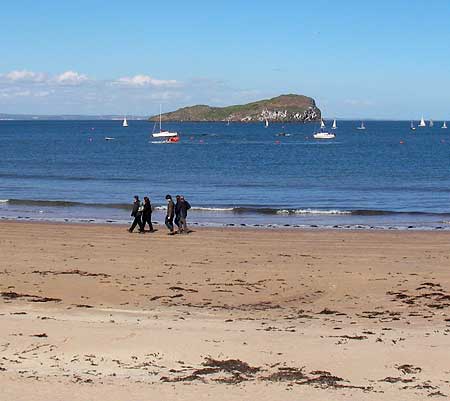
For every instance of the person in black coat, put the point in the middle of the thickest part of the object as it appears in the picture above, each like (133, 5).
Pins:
(137, 214)
(183, 212)
(177, 212)
(147, 214)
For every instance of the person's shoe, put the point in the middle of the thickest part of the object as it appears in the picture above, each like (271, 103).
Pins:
(129, 230)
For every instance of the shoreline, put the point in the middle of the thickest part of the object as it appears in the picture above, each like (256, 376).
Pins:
(444, 227)
(282, 314)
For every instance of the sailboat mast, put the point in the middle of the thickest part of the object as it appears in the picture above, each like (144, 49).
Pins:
(160, 110)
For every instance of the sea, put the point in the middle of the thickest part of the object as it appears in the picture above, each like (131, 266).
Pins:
(384, 177)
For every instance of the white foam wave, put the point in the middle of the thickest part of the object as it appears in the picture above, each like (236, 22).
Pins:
(203, 209)
(313, 211)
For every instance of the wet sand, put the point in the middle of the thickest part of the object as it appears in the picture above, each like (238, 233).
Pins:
(90, 312)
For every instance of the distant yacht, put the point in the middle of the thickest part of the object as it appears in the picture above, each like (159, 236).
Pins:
(444, 126)
(322, 134)
(431, 124)
(125, 122)
(413, 128)
(422, 123)
(170, 136)
(334, 126)
(362, 126)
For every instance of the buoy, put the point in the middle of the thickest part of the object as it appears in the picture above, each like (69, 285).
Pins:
(402, 142)
(277, 142)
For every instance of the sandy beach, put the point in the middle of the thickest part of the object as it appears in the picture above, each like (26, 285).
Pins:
(90, 312)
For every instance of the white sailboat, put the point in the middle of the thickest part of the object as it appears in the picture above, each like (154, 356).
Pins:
(266, 123)
(444, 126)
(323, 134)
(171, 136)
(413, 128)
(334, 126)
(431, 124)
(362, 126)
(125, 122)
(422, 123)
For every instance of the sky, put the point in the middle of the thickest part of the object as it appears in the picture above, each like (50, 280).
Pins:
(358, 59)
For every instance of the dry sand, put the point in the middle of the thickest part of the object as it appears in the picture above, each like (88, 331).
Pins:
(94, 313)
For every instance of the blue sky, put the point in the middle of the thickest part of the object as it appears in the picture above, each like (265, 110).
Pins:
(358, 59)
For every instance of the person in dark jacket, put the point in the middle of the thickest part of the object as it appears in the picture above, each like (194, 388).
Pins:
(137, 214)
(183, 210)
(177, 213)
(170, 214)
(147, 214)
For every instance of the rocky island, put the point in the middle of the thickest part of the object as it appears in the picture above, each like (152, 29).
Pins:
(284, 108)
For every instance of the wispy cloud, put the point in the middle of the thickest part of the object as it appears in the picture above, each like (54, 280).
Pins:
(70, 78)
(145, 80)
(24, 76)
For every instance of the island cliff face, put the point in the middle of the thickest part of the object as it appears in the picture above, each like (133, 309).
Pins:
(284, 108)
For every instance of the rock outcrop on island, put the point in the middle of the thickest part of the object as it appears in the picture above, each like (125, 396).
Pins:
(284, 108)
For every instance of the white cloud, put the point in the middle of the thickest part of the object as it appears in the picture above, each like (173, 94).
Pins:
(24, 76)
(145, 80)
(70, 78)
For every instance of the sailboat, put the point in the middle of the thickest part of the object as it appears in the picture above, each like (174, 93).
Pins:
(413, 128)
(125, 122)
(431, 124)
(362, 126)
(334, 126)
(322, 134)
(170, 136)
(444, 126)
(266, 123)
(422, 123)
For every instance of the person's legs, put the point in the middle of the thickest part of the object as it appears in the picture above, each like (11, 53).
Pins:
(182, 226)
(136, 221)
(149, 221)
(169, 224)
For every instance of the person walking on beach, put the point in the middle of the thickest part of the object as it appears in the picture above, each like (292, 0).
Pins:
(177, 212)
(184, 207)
(137, 214)
(147, 214)
(170, 214)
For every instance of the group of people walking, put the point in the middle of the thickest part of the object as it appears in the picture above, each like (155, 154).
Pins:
(176, 212)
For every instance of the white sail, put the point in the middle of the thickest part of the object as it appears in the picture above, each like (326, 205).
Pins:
(334, 126)
(362, 126)
(267, 123)
(125, 122)
(322, 124)
(444, 126)
(431, 124)
(422, 123)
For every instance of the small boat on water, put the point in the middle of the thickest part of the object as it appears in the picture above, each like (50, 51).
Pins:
(444, 126)
(266, 122)
(323, 134)
(413, 128)
(171, 137)
(283, 134)
(422, 123)
(125, 122)
(334, 126)
(109, 138)
(362, 126)
(431, 124)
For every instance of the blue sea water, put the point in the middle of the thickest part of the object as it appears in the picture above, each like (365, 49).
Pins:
(385, 177)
